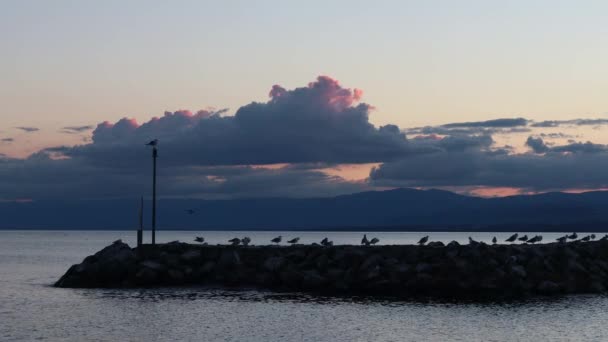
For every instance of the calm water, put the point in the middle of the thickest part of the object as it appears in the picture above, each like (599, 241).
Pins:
(30, 309)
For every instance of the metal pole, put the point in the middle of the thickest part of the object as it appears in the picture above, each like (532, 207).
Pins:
(154, 155)
(140, 230)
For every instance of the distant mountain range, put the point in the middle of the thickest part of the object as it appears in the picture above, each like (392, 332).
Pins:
(399, 209)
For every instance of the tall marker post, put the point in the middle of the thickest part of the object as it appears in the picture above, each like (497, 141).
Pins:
(154, 156)
(154, 143)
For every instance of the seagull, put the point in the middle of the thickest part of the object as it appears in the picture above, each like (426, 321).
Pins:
(152, 143)
(562, 239)
(494, 240)
(573, 236)
(592, 236)
(246, 240)
(324, 242)
(294, 241)
(423, 240)
(190, 211)
(604, 238)
(277, 240)
(365, 241)
(535, 239)
(586, 238)
(512, 238)
(523, 238)
(235, 241)
(374, 241)
(473, 242)
(199, 239)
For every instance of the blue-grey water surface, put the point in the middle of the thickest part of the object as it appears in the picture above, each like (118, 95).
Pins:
(31, 309)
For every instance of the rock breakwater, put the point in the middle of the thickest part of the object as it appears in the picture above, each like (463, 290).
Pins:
(457, 271)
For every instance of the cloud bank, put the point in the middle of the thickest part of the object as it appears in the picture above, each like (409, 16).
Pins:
(281, 146)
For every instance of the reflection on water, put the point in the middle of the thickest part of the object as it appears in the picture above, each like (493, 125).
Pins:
(31, 309)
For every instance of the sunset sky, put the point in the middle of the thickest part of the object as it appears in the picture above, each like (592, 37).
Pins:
(481, 97)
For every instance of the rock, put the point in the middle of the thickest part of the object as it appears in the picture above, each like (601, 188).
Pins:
(371, 262)
(423, 268)
(548, 287)
(274, 264)
(207, 267)
(312, 279)
(175, 276)
(146, 276)
(153, 265)
(453, 244)
(228, 259)
(435, 244)
(518, 271)
(190, 256)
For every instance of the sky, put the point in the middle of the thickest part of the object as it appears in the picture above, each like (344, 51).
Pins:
(361, 81)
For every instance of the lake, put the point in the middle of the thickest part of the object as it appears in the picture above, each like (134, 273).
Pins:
(31, 309)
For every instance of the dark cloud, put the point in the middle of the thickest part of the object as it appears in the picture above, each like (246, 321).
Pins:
(557, 135)
(572, 166)
(28, 129)
(505, 125)
(574, 122)
(552, 171)
(76, 129)
(42, 177)
(537, 145)
(318, 123)
(497, 123)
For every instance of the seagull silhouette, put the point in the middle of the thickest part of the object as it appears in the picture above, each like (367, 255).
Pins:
(365, 241)
(512, 238)
(423, 240)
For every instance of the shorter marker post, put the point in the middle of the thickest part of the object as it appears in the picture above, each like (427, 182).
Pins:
(140, 230)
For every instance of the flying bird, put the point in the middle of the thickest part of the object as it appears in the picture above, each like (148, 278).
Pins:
(235, 241)
(365, 241)
(423, 240)
(512, 238)
(153, 143)
(277, 240)
(523, 238)
(494, 240)
(374, 241)
(199, 239)
(294, 241)
(246, 240)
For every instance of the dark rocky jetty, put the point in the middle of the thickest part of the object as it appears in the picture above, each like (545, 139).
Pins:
(457, 271)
